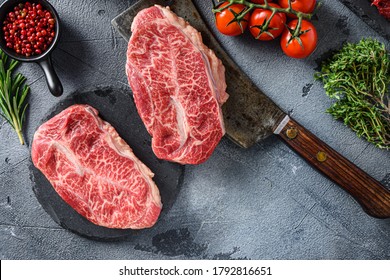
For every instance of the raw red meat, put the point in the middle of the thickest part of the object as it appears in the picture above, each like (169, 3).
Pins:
(178, 85)
(95, 171)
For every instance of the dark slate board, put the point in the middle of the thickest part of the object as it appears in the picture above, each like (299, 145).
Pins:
(115, 106)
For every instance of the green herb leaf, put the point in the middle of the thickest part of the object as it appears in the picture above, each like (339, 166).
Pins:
(358, 78)
(12, 95)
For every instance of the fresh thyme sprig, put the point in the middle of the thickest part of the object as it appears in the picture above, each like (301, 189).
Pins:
(12, 95)
(358, 78)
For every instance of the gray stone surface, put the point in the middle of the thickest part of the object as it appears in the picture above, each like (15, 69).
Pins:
(260, 203)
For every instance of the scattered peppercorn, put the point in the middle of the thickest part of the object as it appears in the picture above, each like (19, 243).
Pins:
(29, 29)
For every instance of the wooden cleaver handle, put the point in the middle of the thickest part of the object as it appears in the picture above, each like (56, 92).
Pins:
(371, 195)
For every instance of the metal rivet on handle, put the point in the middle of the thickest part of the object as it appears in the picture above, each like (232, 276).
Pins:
(322, 156)
(292, 132)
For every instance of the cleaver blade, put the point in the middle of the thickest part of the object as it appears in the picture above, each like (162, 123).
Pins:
(251, 116)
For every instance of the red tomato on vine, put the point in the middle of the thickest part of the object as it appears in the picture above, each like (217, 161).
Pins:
(302, 45)
(258, 20)
(227, 22)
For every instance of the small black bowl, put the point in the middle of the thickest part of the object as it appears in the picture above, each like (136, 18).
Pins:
(44, 59)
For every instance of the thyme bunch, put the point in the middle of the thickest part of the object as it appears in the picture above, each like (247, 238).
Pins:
(12, 95)
(358, 79)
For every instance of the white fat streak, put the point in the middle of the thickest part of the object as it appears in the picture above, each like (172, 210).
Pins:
(70, 156)
(181, 121)
(190, 32)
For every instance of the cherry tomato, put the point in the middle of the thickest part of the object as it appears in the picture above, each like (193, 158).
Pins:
(258, 19)
(225, 20)
(304, 6)
(308, 39)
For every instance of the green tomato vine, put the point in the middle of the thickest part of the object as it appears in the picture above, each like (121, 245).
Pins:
(249, 7)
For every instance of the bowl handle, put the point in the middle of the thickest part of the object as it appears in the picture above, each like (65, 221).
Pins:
(52, 79)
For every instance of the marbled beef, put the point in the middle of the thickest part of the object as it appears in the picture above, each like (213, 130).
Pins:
(178, 85)
(95, 171)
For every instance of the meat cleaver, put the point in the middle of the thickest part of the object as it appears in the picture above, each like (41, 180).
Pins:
(262, 117)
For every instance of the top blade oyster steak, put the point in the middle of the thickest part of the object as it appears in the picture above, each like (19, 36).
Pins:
(95, 171)
(178, 84)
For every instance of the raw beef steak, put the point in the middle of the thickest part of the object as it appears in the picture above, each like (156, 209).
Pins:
(178, 85)
(95, 171)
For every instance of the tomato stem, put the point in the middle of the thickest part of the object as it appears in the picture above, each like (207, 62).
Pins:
(270, 18)
(290, 5)
(298, 28)
(250, 6)
(296, 33)
(264, 28)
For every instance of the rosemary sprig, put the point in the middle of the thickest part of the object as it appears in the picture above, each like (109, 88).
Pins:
(358, 78)
(12, 95)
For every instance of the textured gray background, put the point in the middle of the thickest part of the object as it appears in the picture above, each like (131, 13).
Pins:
(260, 203)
